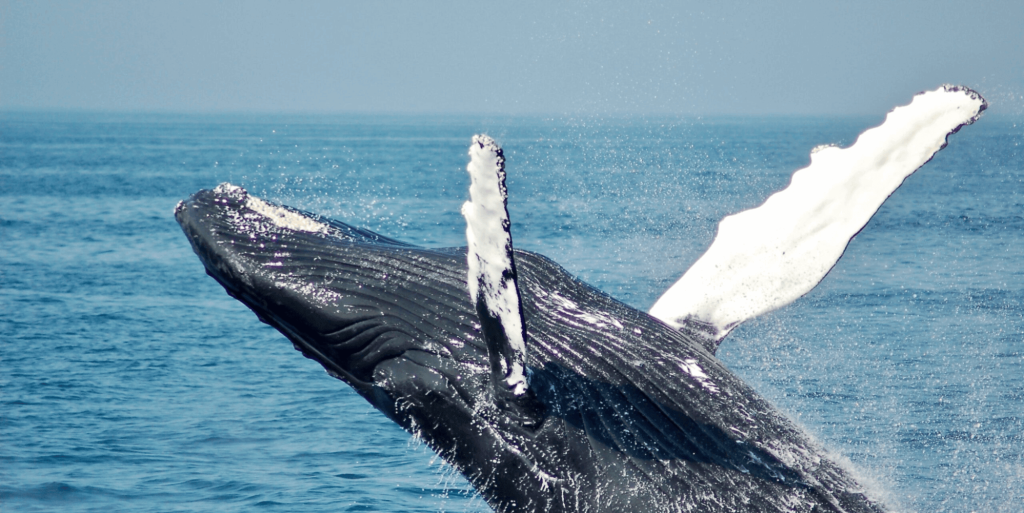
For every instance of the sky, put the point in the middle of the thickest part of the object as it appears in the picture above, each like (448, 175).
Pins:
(520, 58)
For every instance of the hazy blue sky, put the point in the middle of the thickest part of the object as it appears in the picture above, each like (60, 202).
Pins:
(514, 57)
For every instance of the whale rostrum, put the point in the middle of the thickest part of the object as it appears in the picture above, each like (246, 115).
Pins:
(546, 393)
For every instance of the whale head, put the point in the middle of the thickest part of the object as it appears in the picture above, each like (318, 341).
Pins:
(353, 300)
(628, 413)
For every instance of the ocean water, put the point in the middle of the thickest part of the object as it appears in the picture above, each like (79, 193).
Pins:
(129, 381)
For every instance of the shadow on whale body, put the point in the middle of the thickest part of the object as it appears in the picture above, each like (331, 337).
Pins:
(635, 415)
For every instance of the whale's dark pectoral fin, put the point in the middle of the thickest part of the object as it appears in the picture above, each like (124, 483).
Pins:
(493, 281)
(766, 257)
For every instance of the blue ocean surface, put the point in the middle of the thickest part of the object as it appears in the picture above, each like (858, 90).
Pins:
(129, 381)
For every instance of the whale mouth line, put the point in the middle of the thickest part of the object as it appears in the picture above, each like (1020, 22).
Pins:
(311, 351)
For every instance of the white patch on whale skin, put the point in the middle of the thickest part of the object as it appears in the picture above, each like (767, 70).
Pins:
(571, 309)
(767, 257)
(691, 367)
(283, 217)
(229, 189)
(279, 216)
(489, 253)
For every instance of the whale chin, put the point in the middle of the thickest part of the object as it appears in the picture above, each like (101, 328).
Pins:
(629, 415)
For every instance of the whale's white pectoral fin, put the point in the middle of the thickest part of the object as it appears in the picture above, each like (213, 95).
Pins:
(492, 278)
(767, 257)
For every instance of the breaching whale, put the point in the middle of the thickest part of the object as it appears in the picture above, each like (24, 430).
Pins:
(585, 404)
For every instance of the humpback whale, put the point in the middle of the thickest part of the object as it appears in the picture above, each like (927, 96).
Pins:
(546, 393)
